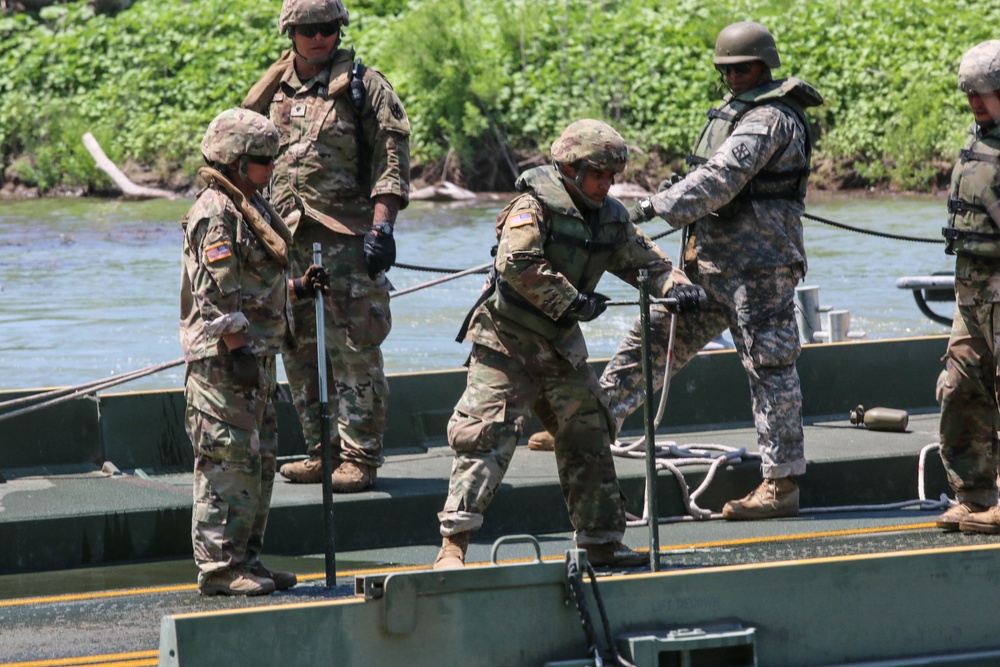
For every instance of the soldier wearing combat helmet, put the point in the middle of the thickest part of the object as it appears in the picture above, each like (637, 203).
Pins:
(741, 204)
(341, 175)
(556, 240)
(235, 316)
(969, 389)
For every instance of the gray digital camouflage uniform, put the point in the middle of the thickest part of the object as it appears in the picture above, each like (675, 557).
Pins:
(231, 282)
(970, 390)
(334, 159)
(525, 348)
(742, 204)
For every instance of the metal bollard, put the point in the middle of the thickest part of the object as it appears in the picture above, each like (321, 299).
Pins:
(807, 312)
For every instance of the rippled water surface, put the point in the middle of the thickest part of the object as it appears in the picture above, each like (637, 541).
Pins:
(89, 288)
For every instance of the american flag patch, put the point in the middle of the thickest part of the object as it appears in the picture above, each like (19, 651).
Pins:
(218, 251)
(521, 219)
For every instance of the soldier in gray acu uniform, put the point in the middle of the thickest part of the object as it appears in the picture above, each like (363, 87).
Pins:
(556, 241)
(970, 387)
(341, 176)
(235, 316)
(742, 203)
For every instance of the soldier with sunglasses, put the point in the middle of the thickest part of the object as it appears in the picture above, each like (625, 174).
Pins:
(741, 203)
(340, 178)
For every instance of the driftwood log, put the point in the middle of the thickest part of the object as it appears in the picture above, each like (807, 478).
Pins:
(129, 189)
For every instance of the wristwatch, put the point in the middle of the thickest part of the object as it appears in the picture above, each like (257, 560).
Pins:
(646, 206)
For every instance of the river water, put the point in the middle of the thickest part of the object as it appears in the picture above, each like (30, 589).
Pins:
(89, 288)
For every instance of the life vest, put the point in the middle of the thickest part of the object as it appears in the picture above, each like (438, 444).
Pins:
(573, 248)
(792, 93)
(973, 206)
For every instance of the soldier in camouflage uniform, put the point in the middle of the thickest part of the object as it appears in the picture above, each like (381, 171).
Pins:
(742, 204)
(969, 389)
(556, 241)
(341, 176)
(235, 316)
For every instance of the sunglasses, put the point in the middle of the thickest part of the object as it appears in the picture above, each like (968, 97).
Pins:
(312, 29)
(262, 160)
(738, 68)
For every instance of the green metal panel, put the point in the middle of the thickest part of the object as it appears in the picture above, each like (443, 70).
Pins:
(63, 434)
(899, 607)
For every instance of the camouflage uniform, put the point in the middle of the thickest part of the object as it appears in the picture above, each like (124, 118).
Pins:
(333, 161)
(969, 392)
(743, 204)
(234, 280)
(524, 348)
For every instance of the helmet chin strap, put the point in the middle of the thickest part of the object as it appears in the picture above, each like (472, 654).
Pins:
(577, 185)
(316, 61)
(243, 174)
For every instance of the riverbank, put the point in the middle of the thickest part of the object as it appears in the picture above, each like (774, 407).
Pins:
(826, 177)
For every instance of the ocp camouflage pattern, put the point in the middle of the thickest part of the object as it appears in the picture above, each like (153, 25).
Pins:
(516, 359)
(357, 321)
(332, 156)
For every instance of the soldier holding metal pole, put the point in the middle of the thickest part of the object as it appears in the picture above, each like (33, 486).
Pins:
(556, 241)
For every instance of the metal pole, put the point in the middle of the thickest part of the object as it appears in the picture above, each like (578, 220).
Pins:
(324, 432)
(653, 517)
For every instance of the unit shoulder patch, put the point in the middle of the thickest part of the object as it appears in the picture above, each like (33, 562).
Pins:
(520, 219)
(214, 253)
(741, 152)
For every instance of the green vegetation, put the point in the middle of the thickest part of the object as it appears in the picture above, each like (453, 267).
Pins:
(480, 78)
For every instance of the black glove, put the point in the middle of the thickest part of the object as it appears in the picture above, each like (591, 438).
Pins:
(689, 298)
(586, 307)
(380, 249)
(315, 278)
(667, 183)
(244, 366)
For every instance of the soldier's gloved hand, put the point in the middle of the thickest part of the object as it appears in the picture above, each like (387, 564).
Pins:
(586, 307)
(380, 249)
(666, 183)
(315, 278)
(689, 298)
(244, 366)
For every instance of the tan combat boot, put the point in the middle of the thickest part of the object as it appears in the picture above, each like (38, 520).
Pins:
(773, 499)
(614, 554)
(308, 471)
(987, 521)
(235, 581)
(543, 441)
(351, 477)
(952, 518)
(452, 553)
(282, 580)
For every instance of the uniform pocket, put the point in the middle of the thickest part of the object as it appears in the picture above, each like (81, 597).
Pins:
(369, 318)
(212, 514)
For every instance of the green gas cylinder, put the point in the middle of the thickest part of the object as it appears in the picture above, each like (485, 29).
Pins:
(880, 419)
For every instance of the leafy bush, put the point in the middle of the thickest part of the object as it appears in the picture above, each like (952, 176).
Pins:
(484, 79)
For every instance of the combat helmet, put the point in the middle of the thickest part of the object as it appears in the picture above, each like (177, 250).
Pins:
(591, 142)
(303, 12)
(746, 41)
(980, 68)
(235, 133)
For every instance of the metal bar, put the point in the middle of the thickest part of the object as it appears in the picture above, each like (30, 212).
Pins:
(324, 432)
(653, 518)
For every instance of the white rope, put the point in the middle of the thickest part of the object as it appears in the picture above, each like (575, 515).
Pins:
(671, 457)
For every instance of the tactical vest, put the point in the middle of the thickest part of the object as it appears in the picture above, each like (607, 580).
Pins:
(973, 208)
(571, 247)
(793, 93)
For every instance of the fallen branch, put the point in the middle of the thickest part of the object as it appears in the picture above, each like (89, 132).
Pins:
(128, 188)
